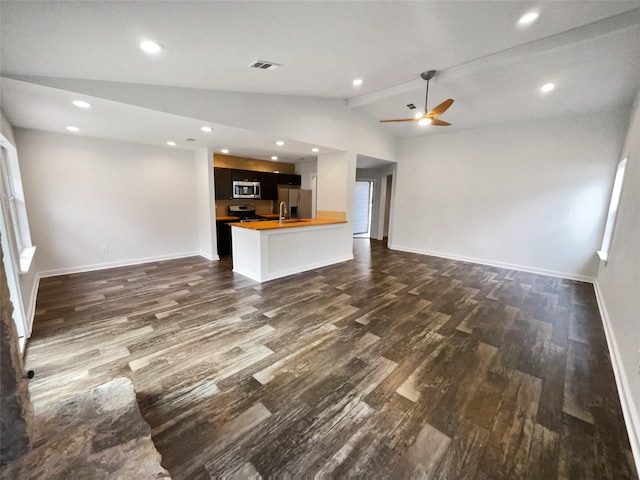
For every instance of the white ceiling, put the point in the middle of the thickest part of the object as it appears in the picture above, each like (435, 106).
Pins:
(492, 68)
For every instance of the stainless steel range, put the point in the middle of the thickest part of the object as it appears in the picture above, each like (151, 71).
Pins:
(246, 213)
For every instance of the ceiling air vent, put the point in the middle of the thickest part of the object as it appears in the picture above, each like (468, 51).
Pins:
(264, 65)
(190, 139)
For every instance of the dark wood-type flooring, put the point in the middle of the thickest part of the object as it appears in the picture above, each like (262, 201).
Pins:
(393, 365)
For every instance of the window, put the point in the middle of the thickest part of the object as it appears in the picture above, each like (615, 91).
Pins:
(603, 253)
(14, 212)
(14, 234)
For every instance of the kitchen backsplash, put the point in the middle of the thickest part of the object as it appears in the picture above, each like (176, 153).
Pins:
(262, 206)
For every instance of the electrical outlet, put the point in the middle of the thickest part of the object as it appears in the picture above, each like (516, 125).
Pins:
(104, 248)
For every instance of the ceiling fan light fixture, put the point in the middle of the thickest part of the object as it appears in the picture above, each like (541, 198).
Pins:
(150, 47)
(528, 18)
(547, 87)
(430, 117)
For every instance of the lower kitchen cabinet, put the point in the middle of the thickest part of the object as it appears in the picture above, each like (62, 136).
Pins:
(223, 236)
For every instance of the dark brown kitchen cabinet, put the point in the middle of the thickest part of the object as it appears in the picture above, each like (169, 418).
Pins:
(222, 182)
(269, 185)
(289, 179)
(224, 178)
(245, 175)
(223, 236)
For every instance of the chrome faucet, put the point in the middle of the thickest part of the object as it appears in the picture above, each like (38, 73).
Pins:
(282, 213)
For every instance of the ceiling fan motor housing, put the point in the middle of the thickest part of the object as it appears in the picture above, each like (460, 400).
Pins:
(428, 75)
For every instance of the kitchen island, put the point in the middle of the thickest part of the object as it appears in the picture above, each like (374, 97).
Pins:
(268, 250)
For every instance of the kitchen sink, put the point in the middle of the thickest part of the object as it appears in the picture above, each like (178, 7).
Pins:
(295, 220)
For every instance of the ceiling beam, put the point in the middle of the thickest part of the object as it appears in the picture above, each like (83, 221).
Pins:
(510, 55)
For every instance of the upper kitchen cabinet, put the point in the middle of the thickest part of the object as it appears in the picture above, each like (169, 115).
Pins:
(224, 178)
(289, 179)
(245, 175)
(222, 182)
(269, 185)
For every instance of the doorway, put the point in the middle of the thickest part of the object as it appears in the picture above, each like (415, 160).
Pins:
(362, 209)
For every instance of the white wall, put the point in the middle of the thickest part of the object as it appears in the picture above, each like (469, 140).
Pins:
(308, 172)
(325, 122)
(84, 192)
(618, 285)
(533, 195)
(336, 185)
(6, 129)
(206, 208)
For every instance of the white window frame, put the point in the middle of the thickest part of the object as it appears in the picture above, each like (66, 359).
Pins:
(616, 193)
(14, 234)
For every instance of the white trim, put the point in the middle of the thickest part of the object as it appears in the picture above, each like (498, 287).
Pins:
(121, 263)
(552, 273)
(31, 309)
(212, 258)
(629, 413)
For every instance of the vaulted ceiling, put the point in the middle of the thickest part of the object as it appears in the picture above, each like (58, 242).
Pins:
(489, 65)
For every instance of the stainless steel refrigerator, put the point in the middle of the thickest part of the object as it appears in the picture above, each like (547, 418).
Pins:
(298, 201)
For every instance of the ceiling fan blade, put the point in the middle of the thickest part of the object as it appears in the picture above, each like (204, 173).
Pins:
(440, 109)
(439, 123)
(401, 120)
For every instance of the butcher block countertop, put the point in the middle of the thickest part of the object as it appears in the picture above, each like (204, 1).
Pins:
(290, 223)
(226, 218)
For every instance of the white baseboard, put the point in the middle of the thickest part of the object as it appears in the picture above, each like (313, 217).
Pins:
(120, 263)
(629, 409)
(212, 258)
(522, 268)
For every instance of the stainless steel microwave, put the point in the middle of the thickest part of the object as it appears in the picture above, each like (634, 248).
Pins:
(243, 189)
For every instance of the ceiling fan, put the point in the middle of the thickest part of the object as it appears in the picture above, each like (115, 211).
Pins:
(430, 117)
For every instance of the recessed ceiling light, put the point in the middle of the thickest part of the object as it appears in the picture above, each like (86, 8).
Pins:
(171, 144)
(81, 104)
(357, 82)
(224, 150)
(206, 129)
(274, 158)
(528, 18)
(279, 143)
(315, 150)
(424, 121)
(151, 47)
(547, 87)
(73, 129)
